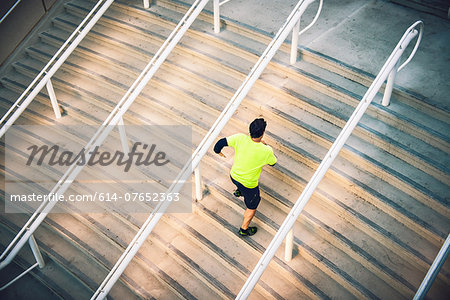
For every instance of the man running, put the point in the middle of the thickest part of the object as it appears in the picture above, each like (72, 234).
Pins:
(251, 154)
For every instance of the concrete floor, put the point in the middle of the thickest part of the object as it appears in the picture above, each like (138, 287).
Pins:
(363, 34)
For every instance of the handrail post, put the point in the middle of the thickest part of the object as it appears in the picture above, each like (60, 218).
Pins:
(390, 85)
(39, 262)
(146, 3)
(216, 5)
(123, 136)
(433, 271)
(294, 42)
(198, 183)
(53, 100)
(289, 247)
(36, 252)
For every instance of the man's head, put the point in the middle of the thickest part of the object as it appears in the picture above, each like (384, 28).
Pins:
(257, 128)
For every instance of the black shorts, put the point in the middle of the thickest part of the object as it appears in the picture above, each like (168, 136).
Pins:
(251, 196)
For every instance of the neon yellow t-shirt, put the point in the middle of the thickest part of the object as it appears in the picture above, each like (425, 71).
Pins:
(249, 158)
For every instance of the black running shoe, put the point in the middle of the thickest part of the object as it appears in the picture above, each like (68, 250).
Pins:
(237, 193)
(247, 232)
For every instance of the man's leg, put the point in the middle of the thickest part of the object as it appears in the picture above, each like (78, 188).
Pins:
(238, 185)
(248, 216)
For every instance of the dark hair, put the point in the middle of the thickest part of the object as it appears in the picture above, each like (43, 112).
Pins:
(257, 127)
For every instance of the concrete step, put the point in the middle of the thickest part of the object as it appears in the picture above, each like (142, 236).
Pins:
(118, 232)
(206, 238)
(422, 187)
(407, 147)
(231, 248)
(360, 236)
(202, 265)
(156, 279)
(205, 35)
(228, 218)
(80, 259)
(315, 215)
(103, 246)
(430, 167)
(327, 64)
(125, 245)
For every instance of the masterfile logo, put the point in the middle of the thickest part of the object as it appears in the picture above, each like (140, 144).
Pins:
(67, 158)
(130, 172)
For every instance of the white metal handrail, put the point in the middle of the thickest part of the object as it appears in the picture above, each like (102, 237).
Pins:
(224, 2)
(39, 262)
(113, 119)
(10, 10)
(19, 106)
(416, 46)
(434, 270)
(293, 215)
(201, 150)
(43, 78)
(296, 33)
(147, 74)
(396, 69)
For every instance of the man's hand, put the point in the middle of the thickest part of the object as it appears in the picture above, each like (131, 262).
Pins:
(221, 154)
(262, 141)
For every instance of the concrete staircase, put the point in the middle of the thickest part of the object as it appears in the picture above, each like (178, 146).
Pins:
(370, 231)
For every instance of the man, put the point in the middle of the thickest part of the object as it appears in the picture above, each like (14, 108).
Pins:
(251, 154)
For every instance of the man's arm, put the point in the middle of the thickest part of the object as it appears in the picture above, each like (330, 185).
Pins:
(219, 146)
(274, 162)
(262, 141)
(272, 159)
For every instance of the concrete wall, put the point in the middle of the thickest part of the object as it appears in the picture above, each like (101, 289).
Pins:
(439, 8)
(19, 22)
